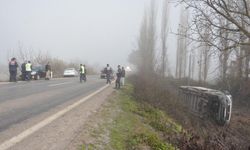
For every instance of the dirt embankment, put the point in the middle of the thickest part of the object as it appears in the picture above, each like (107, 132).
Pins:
(209, 135)
(205, 133)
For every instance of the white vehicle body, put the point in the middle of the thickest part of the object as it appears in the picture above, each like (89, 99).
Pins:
(207, 102)
(70, 72)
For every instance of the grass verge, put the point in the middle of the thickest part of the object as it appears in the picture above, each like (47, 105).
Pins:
(135, 125)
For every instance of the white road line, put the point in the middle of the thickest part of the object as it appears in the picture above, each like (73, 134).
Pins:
(16, 139)
(14, 86)
(31, 83)
(4, 83)
(51, 85)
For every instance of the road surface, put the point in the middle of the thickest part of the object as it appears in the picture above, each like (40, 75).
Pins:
(23, 105)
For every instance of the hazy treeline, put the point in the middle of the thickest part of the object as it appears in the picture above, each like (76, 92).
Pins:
(220, 31)
(144, 57)
(211, 35)
(152, 70)
(42, 58)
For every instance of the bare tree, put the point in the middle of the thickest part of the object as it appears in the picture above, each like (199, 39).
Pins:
(200, 64)
(229, 22)
(164, 35)
(224, 53)
(181, 54)
(189, 68)
(193, 54)
(247, 61)
(209, 12)
(144, 56)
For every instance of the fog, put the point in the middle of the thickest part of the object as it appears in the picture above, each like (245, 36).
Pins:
(94, 31)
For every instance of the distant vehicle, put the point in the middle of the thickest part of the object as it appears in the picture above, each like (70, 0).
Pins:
(207, 103)
(103, 75)
(38, 72)
(70, 72)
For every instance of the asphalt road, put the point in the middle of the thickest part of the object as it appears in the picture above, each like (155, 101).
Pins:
(25, 100)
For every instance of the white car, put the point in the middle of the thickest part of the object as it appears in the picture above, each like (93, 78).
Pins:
(70, 72)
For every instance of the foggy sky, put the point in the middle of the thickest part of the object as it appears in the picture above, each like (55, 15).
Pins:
(96, 31)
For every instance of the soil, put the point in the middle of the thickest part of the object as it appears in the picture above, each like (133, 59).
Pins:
(199, 133)
(206, 134)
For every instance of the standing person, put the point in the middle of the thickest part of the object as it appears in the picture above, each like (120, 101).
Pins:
(13, 69)
(23, 67)
(28, 68)
(118, 78)
(48, 71)
(85, 74)
(82, 71)
(108, 71)
(123, 73)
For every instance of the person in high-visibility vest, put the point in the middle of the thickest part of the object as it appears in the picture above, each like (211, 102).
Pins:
(82, 72)
(28, 68)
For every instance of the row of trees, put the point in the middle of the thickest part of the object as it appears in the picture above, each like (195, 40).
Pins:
(144, 57)
(220, 31)
(42, 58)
(211, 33)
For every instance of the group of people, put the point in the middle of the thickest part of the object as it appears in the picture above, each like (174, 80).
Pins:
(120, 76)
(26, 70)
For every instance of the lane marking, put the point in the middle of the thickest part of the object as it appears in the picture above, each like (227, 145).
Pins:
(23, 84)
(16, 139)
(52, 85)
(4, 83)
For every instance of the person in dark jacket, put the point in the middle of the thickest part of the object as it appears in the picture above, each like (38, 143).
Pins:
(118, 78)
(48, 71)
(13, 70)
(23, 67)
(85, 74)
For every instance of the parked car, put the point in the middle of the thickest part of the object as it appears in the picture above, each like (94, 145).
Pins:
(38, 72)
(70, 72)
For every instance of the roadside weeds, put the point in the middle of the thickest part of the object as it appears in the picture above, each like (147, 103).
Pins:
(125, 123)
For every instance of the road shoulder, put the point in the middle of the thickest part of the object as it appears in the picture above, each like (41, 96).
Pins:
(62, 131)
(125, 123)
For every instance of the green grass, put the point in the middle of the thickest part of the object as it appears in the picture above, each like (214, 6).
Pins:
(88, 147)
(151, 139)
(136, 125)
(133, 127)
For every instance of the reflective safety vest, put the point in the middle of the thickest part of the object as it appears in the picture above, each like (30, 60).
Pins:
(28, 67)
(82, 70)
